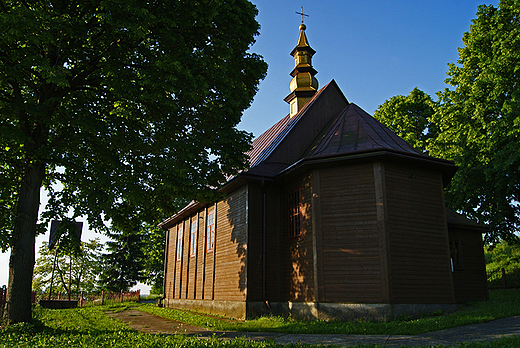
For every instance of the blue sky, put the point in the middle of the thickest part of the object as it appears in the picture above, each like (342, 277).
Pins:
(373, 49)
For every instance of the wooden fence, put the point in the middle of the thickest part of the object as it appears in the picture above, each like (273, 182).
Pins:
(500, 279)
(91, 299)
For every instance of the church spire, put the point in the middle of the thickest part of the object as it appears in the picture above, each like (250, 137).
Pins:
(303, 85)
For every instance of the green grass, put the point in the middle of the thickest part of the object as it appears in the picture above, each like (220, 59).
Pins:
(502, 303)
(90, 327)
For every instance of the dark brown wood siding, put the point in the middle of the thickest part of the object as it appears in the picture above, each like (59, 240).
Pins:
(297, 252)
(418, 237)
(170, 262)
(469, 278)
(273, 244)
(231, 247)
(255, 240)
(201, 253)
(209, 260)
(351, 249)
(192, 259)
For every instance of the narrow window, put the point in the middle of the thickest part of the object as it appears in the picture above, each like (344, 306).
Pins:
(180, 232)
(455, 255)
(193, 237)
(295, 214)
(210, 235)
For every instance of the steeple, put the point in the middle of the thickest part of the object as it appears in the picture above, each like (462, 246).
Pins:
(304, 84)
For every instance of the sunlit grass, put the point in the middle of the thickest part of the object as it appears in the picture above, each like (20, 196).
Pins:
(91, 327)
(501, 304)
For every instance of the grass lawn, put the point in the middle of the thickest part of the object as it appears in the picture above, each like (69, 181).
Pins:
(90, 327)
(501, 304)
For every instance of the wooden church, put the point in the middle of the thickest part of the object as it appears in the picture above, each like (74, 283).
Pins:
(337, 217)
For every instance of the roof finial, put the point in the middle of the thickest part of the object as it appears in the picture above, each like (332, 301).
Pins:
(302, 14)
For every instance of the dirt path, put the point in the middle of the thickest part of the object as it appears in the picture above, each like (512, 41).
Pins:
(505, 327)
(149, 323)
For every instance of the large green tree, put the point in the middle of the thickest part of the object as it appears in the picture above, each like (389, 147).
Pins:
(123, 105)
(153, 250)
(479, 121)
(72, 273)
(409, 117)
(123, 263)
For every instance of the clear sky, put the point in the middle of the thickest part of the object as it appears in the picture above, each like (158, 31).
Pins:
(373, 49)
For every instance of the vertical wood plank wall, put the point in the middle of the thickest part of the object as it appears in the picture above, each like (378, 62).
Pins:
(351, 250)
(418, 237)
(297, 253)
(469, 280)
(231, 247)
(209, 261)
(194, 277)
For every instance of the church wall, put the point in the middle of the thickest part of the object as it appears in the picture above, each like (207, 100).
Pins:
(218, 273)
(231, 247)
(192, 258)
(469, 273)
(201, 254)
(417, 236)
(274, 236)
(351, 249)
(254, 254)
(184, 263)
(255, 288)
(209, 260)
(170, 262)
(297, 252)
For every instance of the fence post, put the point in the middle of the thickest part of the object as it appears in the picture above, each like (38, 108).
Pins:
(139, 295)
(81, 299)
(102, 297)
(121, 296)
(504, 280)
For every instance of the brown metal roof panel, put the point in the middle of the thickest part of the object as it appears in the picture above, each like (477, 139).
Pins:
(267, 142)
(355, 130)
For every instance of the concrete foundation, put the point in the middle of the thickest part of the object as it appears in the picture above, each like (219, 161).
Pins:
(310, 310)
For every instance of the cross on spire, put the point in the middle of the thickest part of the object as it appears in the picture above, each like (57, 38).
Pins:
(302, 14)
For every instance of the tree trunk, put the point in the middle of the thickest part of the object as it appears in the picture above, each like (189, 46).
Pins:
(21, 263)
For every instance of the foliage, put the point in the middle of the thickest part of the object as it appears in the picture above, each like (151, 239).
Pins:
(409, 117)
(501, 304)
(479, 122)
(119, 109)
(506, 256)
(85, 268)
(123, 262)
(153, 250)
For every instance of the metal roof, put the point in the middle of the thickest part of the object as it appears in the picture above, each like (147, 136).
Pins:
(354, 130)
(265, 144)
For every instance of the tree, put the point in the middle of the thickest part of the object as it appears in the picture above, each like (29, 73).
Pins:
(127, 104)
(123, 264)
(479, 121)
(409, 117)
(153, 250)
(85, 269)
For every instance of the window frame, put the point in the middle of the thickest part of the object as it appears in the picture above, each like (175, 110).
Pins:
(456, 260)
(210, 231)
(180, 239)
(294, 214)
(193, 237)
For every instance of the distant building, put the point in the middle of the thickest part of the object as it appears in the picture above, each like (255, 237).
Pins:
(337, 217)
